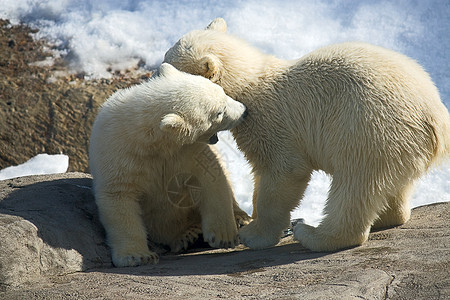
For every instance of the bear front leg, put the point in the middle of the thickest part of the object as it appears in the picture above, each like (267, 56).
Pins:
(277, 195)
(120, 214)
(216, 201)
(219, 226)
(256, 180)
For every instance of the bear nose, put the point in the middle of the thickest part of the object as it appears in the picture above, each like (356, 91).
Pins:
(245, 114)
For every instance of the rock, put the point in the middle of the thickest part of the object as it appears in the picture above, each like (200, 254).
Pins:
(48, 226)
(44, 108)
(52, 247)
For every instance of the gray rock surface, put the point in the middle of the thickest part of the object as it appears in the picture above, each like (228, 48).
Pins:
(48, 226)
(52, 247)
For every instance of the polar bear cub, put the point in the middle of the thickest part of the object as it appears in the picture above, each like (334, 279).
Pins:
(370, 117)
(155, 176)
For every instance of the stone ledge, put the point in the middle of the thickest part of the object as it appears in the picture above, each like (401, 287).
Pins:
(52, 247)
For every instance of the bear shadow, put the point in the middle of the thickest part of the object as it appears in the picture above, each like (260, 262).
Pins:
(66, 217)
(235, 262)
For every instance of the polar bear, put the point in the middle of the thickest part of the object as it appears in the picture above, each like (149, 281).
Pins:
(370, 117)
(155, 175)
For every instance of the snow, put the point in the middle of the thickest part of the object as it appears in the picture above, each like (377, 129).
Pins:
(97, 36)
(38, 165)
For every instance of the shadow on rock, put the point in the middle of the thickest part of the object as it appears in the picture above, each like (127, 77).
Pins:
(49, 226)
(237, 262)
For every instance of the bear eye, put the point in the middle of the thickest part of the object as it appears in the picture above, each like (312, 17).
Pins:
(220, 114)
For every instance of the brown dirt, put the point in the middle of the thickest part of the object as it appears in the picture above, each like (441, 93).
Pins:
(47, 109)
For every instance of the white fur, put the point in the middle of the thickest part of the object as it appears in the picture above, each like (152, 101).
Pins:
(149, 139)
(370, 117)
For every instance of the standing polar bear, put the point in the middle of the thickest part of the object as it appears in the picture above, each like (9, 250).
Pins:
(368, 116)
(154, 174)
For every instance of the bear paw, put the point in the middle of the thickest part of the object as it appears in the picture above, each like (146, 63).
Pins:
(254, 237)
(135, 259)
(186, 239)
(221, 236)
(242, 219)
(307, 236)
(315, 240)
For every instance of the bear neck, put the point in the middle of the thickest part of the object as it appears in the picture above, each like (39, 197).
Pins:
(241, 82)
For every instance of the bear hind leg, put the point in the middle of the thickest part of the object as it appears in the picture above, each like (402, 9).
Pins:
(240, 216)
(349, 213)
(189, 237)
(398, 210)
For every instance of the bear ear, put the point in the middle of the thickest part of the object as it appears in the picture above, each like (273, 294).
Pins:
(210, 65)
(171, 122)
(167, 69)
(178, 128)
(218, 24)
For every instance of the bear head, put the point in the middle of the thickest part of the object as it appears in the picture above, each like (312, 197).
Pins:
(198, 108)
(216, 55)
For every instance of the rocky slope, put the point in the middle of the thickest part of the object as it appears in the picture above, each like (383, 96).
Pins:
(43, 107)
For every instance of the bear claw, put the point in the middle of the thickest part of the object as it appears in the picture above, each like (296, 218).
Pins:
(187, 239)
(134, 260)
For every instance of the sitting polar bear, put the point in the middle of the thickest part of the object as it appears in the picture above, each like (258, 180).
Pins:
(368, 116)
(154, 174)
